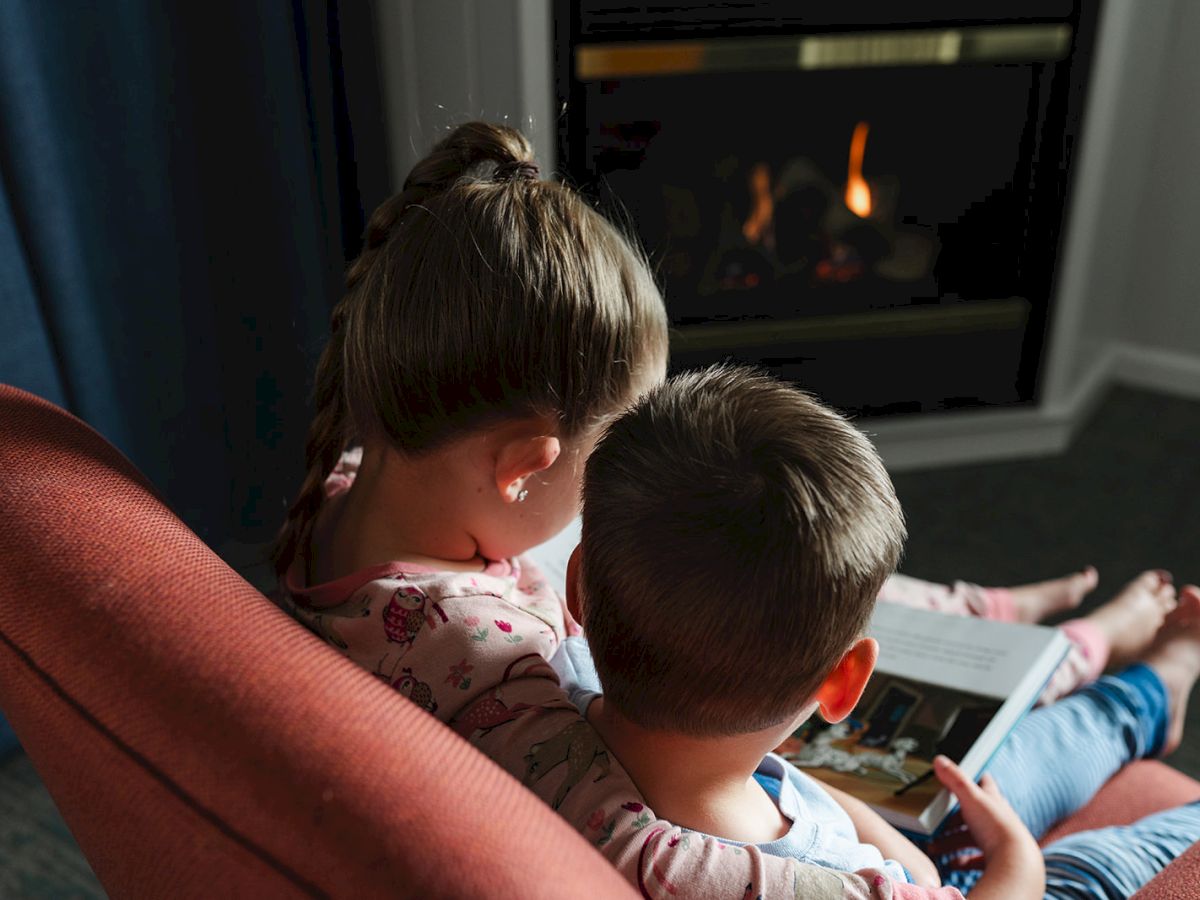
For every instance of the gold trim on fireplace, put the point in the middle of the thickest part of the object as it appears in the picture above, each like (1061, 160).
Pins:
(913, 47)
(947, 318)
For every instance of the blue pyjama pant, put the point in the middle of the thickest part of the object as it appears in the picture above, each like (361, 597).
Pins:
(1054, 762)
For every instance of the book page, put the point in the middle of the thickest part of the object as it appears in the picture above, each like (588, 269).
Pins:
(944, 684)
(955, 650)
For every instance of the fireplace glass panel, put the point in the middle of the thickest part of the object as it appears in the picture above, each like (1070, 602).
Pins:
(881, 230)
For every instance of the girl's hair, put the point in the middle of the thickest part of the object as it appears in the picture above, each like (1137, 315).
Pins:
(481, 293)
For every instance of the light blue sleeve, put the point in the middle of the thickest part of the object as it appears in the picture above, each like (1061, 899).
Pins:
(834, 842)
(577, 672)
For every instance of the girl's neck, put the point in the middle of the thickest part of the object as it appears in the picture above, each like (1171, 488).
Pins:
(392, 513)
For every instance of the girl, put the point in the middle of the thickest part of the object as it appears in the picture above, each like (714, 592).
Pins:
(491, 327)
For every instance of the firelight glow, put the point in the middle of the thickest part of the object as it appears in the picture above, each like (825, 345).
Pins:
(764, 206)
(858, 194)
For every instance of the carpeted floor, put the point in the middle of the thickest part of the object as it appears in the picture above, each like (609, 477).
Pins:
(1123, 498)
(38, 856)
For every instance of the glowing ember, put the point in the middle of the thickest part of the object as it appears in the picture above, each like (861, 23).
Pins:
(764, 207)
(858, 194)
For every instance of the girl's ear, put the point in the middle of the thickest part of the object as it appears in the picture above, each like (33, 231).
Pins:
(518, 456)
(843, 687)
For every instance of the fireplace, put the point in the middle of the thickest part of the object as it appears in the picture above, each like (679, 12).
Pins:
(866, 202)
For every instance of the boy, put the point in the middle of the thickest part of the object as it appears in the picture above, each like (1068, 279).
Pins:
(736, 534)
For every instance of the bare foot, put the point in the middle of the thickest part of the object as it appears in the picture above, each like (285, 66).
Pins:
(1132, 619)
(1035, 602)
(1175, 656)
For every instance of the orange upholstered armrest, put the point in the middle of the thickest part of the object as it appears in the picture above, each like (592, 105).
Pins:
(200, 743)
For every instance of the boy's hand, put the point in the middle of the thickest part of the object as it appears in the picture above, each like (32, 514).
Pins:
(1012, 857)
(993, 823)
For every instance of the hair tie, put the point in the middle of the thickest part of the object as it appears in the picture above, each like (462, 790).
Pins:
(517, 170)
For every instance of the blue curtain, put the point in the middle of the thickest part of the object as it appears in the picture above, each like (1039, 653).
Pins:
(178, 195)
(179, 192)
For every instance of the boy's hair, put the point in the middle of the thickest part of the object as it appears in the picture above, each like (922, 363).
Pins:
(481, 293)
(735, 535)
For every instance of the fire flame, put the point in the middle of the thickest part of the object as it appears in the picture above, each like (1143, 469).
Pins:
(763, 208)
(858, 194)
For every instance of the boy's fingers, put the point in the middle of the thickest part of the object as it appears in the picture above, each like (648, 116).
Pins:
(952, 777)
(967, 791)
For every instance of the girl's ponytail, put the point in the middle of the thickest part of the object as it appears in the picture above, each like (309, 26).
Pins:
(476, 151)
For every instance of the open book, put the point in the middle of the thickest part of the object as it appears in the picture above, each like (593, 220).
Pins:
(944, 684)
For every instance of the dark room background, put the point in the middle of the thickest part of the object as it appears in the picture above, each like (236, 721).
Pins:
(180, 189)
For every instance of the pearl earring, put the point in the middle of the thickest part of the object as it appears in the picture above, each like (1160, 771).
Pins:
(522, 494)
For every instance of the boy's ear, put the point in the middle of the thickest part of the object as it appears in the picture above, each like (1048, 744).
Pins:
(574, 604)
(840, 692)
(520, 455)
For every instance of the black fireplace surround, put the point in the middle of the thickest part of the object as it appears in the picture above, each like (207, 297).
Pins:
(867, 202)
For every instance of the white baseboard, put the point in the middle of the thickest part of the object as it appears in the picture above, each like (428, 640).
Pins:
(963, 438)
(1153, 369)
(952, 438)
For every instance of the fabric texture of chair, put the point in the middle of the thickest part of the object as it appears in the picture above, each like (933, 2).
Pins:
(198, 743)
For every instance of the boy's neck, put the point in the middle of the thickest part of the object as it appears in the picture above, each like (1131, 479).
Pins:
(702, 783)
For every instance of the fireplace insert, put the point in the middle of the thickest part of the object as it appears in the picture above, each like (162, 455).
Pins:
(863, 201)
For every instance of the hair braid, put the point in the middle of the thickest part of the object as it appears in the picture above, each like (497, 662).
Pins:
(327, 436)
(330, 428)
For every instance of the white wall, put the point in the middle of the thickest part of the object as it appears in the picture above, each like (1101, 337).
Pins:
(1127, 302)
(448, 61)
(1161, 314)
(1113, 165)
